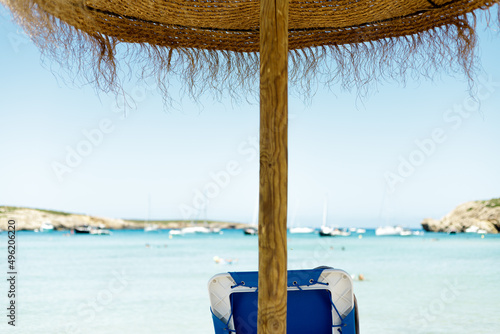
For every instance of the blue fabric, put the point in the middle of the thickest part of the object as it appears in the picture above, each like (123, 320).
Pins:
(219, 326)
(303, 277)
(244, 306)
(350, 323)
(294, 277)
(308, 311)
(249, 278)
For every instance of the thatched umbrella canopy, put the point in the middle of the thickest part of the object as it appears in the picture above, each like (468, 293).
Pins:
(220, 45)
(214, 44)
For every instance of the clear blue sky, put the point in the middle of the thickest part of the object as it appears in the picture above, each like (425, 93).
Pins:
(400, 155)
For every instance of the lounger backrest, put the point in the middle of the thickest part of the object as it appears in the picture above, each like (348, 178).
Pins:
(320, 301)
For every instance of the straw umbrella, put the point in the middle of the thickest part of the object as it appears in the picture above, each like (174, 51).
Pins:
(218, 45)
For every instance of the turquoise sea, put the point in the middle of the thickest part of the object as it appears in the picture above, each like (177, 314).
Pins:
(137, 282)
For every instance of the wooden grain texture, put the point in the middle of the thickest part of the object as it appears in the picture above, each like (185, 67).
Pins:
(273, 166)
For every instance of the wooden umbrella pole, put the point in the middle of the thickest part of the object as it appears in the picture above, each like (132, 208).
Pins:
(273, 166)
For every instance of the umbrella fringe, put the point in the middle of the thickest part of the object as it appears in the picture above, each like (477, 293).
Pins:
(109, 63)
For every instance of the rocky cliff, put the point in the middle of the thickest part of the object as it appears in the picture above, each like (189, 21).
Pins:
(482, 214)
(31, 219)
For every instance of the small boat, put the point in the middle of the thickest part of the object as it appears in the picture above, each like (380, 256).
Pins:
(325, 231)
(216, 230)
(333, 232)
(297, 229)
(405, 233)
(195, 229)
(393, 230)
(472, 229)
(387, 230)
(201, 230)
(100, 231)
(46, 227)
(83, 229)
(86, 229)
(328, 231)
(344, 233)
(250, 231)
(175, 232)
(357, 230)
(301, 230)
(475, 229)
(151, 228)
(253, 229)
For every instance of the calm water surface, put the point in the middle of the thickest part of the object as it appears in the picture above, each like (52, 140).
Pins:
(116, 284)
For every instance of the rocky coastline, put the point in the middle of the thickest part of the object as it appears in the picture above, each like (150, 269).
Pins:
(32, 219)
(484, 215)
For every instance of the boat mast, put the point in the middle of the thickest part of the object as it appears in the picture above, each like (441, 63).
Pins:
(325, 212)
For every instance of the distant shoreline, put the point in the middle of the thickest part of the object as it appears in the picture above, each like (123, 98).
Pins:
(30, 219)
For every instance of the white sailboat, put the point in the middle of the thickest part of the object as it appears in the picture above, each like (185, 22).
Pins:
(325, 230)
(298, 229)
(303, 230)
(392, 230)
(148, 227)
(328, 231)
(195, 229)
(253, 229)
(151, 228)
(387, 216)
(175, 232)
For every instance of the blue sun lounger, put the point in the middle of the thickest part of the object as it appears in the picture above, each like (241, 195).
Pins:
(320, 301)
